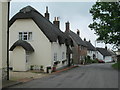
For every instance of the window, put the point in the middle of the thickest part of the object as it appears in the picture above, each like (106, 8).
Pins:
(63, 55)
(55, 56)
(20, 35)
(29, 35)
(25, 36)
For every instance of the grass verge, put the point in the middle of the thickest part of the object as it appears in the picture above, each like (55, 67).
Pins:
(116, 65)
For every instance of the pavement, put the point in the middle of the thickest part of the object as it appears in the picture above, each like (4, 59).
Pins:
(22, 77)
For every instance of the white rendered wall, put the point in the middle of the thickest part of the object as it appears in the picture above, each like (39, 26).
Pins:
(57, 48)
(90, 53)
(19, 59)
(108, 59)
(3, 37)
(99, 56)
(40, 43)
(3, 33)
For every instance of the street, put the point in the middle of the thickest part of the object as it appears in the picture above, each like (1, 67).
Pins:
(86, 76)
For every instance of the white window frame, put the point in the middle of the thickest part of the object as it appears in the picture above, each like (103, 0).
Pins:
(55, 57)
(23, 34)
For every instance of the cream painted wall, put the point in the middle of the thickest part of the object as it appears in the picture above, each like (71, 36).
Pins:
(108, 59)
(40, 43)
(44, 50)
(3, 33)
(19, 59)
(59, 49)
(99, 55)
(90, 53)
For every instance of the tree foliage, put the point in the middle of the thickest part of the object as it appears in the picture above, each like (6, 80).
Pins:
(106, 21)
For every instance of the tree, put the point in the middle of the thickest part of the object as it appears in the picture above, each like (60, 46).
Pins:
(106, 21)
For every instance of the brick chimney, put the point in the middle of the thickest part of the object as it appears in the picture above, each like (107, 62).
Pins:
(46, 13)
(67, 26)
(56, 22)
(78, 32)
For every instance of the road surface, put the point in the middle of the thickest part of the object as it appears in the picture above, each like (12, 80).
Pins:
(87, 76)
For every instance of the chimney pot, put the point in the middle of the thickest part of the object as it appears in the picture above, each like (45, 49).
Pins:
(57, 18)
(56, 22)
(84, 39)
(89, 41)
(46, 13)
(54, 18)
(78, 32)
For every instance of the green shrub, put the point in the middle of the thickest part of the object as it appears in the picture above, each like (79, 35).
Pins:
(116, 65)
(88, 59)
(95, 61)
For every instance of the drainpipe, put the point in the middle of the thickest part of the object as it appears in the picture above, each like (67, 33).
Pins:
(78, 54)
(8, 41)
(68, 56)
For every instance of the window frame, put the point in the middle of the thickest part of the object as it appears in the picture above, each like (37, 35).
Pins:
(29, 37)
(55, 57)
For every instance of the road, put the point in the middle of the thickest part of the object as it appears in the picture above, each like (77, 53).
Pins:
(88, 76)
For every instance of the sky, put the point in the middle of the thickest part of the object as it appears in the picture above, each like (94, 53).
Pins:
(77, 13)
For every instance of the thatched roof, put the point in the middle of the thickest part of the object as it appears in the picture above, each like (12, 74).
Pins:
(23, 44)
(90, 46)
(52, 32)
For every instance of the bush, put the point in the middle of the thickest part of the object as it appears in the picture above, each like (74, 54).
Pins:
(95, 61)
(116, 65)
(88, 60)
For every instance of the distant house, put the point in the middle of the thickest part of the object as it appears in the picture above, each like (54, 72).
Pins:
(91, 51)
(113, 54)
(37, 43)
(118, 54)
(103, 54)
(80, 49)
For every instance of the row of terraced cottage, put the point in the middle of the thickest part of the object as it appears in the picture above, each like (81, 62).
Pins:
(37, 43)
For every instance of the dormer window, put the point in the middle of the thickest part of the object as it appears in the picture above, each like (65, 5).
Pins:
(26, 36)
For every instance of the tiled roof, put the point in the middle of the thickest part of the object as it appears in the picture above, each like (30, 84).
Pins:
(111, 52)
(90, 46)
(76, 38)
(103, 51)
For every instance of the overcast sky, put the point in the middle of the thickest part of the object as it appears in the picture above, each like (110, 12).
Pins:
(77, 13)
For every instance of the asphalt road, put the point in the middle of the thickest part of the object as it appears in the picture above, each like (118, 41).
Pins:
(88, 76)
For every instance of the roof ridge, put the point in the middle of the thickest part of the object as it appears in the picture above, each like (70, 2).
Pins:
(27, 9)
